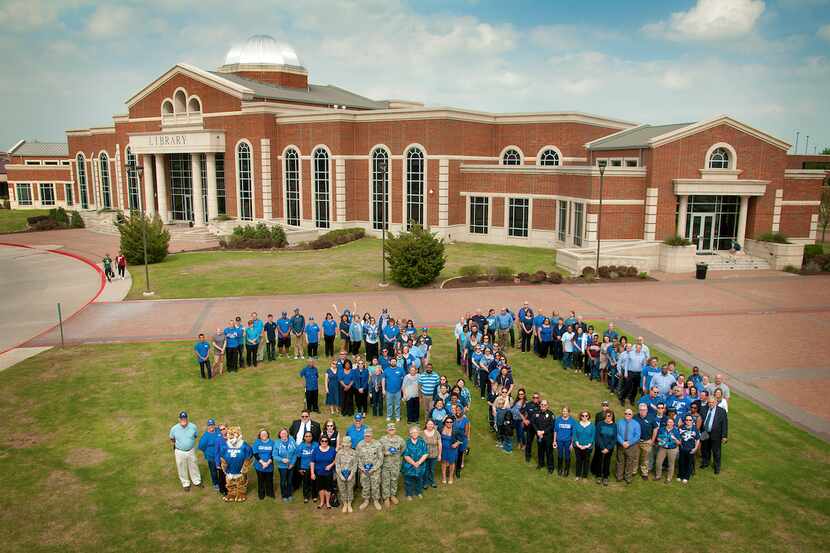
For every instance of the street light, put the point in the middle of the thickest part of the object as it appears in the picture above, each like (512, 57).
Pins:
(602, 163)
(382, 166)
(139, 171)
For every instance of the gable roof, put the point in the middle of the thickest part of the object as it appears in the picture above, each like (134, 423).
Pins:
(638, 137)
(212, 79)
(34, 148)
(688, 130)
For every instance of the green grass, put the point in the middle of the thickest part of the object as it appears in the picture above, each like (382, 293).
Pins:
(353, 267)
(14, 220)
(87, 467)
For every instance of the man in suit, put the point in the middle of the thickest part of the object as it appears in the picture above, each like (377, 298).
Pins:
(716, 429)
(302, 425)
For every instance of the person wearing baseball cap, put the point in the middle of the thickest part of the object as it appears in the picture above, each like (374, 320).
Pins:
(600, 416)
(207, 445)
(183, 438)
(357, 431)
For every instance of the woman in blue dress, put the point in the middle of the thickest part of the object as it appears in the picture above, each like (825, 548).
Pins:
(450, 443)
(332, 389)
(461, 427)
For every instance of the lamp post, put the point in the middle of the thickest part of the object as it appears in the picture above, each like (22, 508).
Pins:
(382, 166)
(602, 163)
(139, 171)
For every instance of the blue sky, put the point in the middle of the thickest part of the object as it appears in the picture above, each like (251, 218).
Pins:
(765, 62)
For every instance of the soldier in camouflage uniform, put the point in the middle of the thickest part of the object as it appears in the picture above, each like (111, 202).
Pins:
(369, 462)
(393, 446)
(345, 470)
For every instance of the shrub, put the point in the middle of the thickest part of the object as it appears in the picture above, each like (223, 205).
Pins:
(132, 243)
(47, 224)
(259, 236)
(32, 221)
(59, 215)
(501, 273)
(812, 250)
(811, 268)
(589, 277)
(76, 221)
(677, 240)
(631, 271)
(614, 275)
(603, 271)
(776, 237)
(555, 278)
(643, 275)
(588, 271)
(470, 272)
(524, 277)
(415, 258)
(337, 237)
(791, 269)
(538, 276)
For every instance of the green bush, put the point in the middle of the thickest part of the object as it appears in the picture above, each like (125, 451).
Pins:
(132, 243)
(471, 272)
(538, 276)
(643, 275)
(677, 240)
(258, 237)
(32, 221)
(791, 269)
(76, 221)
(604, 271)
(588, 271)
(555, 278)
(47, 224)
(337, 237)
(812, 250)
(614, 275)
(631, 271)
(776, 237)
(59, 216)
(811, 268)
(524, 277)
(415, 258)
(501, 273)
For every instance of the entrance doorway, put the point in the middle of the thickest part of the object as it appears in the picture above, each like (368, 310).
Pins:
(181, 187)
(702, 232)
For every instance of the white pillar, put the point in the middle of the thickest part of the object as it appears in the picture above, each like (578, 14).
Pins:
(681, 221)
(196, 180)
(161, 189)
(742, 220)
(149, 201)
(212, 193)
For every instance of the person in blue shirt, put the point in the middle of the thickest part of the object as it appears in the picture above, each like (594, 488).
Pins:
(538, 319)
(668, 441)
(652, 400)
(584, 434)
(346, 379)
(305, 451)
(361, 387)
(563, 431)
(545, 338)
(207, 445)
(611, 332)
(628, 447)
(648, 433)
(696, 377)
(221, 443)
(390, 333)
(285, 457)
(298, 333)
(231, 344)
(503, 322)
(183, 439)
(312, 333)
(312, 385)
(678, 402)
(371, 336)
(392, 384)
(606, 440)
(270, 338)
(332, 388)
(664, 380)
(329, 334)
(567, 340)
(284, 335)
(322, 470)
(251, 343)
(236, 457)
(355, 336)
(357, 431)
(259, 328)
(263, 450)
(202, 349)
(689, 444)
(240, 346)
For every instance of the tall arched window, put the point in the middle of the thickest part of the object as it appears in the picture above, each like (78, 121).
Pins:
(414, 187)
(322, 202)
(104, 161)
(292, 187)
(133, 194)
(245, 184)
(511, 156)
(82, 186)
(549, 157)
(719, 159)
(380, 189)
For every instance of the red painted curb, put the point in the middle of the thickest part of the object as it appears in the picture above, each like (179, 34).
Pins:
(84, 306)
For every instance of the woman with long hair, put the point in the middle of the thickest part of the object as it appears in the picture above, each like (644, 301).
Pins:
(606, 439)
(450, 443)
(346, 379)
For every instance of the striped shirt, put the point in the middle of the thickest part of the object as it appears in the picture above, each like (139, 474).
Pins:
(428, 382)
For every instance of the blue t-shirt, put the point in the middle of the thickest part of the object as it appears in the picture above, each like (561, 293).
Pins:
(679, 405)
(356, 434)
(311, 376)
(312, 331)
(258, 326)
(393, 376)
(329, 327)
(546, 332)
(231, 336)
(284, 324)
(263, 450)
(297, 324)
(271, 330)
(235, 457)
(185, 436)
(390, 333)
(564, 429)
(202, 348)
(304, 453)
(538, 320)
(251, 335)
(323, 459)
(688, 437)
(208, 444)
(647, 425)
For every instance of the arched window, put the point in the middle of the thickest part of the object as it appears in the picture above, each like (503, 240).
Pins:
(549, 157)
(180, 101)
(167, 108)
(322, 202)
(719, 159)
(292, 187)
(414, 187)
(104, 161)
(245, 181)
(193, 105)
(380, 189)
(511, 156)
(82, 186)
(133, 194)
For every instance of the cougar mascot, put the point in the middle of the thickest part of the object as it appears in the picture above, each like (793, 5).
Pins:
(236, 461)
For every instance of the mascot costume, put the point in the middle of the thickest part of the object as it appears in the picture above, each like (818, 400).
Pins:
(236, 462)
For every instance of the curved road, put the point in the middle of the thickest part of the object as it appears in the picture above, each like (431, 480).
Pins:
(33, 281)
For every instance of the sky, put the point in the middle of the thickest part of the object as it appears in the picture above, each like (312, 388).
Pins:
(72, 63)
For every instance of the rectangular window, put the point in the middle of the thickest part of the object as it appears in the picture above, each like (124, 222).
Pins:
(220, 184)
(47, 193)
(615, 163)
(631, 163)
(518, 217)
(181, 187)
(50, 162)
(65, 162)
(479, 214)
(203, 173)
(562, 228)
(579, 217)
(32, 162)
(24, 194)
(67, 194)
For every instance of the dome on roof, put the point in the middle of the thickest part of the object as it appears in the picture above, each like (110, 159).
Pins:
(262, 50)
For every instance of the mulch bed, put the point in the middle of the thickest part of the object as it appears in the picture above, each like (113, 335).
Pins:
(462, 282)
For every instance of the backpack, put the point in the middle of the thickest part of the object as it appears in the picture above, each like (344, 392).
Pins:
(507, 423)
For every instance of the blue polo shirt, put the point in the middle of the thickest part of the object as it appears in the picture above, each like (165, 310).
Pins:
(312, 331)
(232, 337)
(284, 324)
(393, 376)
(647, 425)
(202, 348)
(311, 376)
(329, 327)
(356, 434)
(390, 333)
(564, 429)
(185, 436)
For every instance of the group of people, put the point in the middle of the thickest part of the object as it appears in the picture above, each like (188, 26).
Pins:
(669, 419)
(120, 264)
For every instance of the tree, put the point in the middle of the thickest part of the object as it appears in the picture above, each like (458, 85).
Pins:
(825, 152)
(415, 258)
(824, 211)
(132, 238)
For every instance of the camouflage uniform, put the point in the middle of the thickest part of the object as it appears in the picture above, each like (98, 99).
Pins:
(370, 453)
(393, 447)
(346, 459)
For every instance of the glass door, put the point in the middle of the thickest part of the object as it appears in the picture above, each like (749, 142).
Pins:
(703, 225)
(181, 187)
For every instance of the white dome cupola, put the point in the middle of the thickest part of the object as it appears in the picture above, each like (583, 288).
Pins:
(262, 58)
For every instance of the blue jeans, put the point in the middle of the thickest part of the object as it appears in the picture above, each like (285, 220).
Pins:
(214, 474)
(520, 433)
(568, 359)
(393, 405)
(595, 370)
(429, 475)
(412, 485)
(507, 442)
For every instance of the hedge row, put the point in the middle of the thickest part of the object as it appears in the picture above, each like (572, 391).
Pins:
(337, 237)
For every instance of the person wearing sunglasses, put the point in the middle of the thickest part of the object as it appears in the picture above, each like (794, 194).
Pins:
(604, 442)
(450, 442)
(584, 436)
(322, 468)
(562, 439)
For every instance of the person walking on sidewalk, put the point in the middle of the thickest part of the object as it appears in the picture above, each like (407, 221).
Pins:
(107, 261)
(121, 265)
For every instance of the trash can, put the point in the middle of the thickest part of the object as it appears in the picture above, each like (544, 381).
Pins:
(700, 273)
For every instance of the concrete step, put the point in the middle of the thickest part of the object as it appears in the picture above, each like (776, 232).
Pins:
(733, 263)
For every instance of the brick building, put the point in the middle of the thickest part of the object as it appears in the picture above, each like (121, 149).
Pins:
(255, 140)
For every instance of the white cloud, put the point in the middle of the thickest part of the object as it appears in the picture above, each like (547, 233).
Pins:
(824, 32)
(107, 21)
(26, 15)
(710, 20)
(676, 80)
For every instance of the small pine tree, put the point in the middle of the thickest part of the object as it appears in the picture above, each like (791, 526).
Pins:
(132, 241)
(76, 221)
(415, 258)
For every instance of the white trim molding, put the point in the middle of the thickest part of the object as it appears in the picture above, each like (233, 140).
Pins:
(727, 187)
(733, 157)
(587, 170)
(695, 128)
(265, 169)
(800, 174)
(591, 201)
(204, 77)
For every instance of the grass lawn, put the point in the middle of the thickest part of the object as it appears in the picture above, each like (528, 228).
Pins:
(14, 220)
(353, 267)
(88, 467)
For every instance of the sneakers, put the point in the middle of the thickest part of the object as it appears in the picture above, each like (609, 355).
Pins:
(387, 503)
(364, 505)
(409, 498)
(377, 505)
(605, 482)
(394, 500)
(349, 505)
(186, 488)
